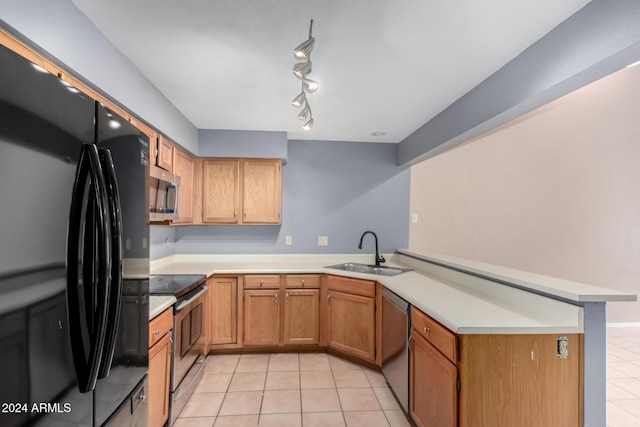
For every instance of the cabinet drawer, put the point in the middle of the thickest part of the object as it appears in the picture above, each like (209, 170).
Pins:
(262, 281)
(302, 281)
(441, 338)
(160, 325)
(352, 286)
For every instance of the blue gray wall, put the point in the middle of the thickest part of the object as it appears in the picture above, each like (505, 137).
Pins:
(60, 29)
(599, 39)
(233, 143)
(334, 189)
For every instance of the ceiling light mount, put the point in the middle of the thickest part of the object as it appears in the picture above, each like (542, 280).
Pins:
(301, 70)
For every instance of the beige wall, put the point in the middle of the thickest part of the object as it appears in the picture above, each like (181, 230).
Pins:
(555, 192)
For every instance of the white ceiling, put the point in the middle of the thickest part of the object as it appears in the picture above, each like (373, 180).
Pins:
(383, 65)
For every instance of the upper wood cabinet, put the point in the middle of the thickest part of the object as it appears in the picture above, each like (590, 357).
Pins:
(261, 191)
(164, 157)
(183, 166)
(241, 191)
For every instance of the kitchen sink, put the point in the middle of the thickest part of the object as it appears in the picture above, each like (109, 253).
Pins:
(369, 269)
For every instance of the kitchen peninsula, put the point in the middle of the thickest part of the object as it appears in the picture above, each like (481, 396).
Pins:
(465, 297)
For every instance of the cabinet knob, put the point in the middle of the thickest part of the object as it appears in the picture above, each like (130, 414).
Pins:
(427, 329)
(156, 333)
(261, 282)
(276, 297)
(302, 282)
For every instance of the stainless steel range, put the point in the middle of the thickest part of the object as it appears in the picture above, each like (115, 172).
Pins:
(187, 365)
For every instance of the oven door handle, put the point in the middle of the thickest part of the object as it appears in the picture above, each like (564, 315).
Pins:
(184, 304)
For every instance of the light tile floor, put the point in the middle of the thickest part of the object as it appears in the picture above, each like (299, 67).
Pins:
(623, 376)
(288, 390)
(315, 389)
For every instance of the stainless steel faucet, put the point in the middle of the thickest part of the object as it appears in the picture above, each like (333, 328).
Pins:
(379, 258)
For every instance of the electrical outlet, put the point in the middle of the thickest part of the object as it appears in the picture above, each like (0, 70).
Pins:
(323, 240)
(563, 347)
(414, 218)
(288, 240)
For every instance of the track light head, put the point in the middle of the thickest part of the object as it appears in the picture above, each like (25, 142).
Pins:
(309, 86)
(304, 49)
(299, 100)
(301, 69)
(306, 112)
(307, 126)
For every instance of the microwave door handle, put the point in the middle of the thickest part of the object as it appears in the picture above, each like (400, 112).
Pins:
(88, 180)
(155, 205)
(114, 299)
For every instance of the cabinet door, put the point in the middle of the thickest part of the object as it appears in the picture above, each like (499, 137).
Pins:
(221, 191)
(165, 154)
(262, 317)
(183, 167)
(262, 189)
(351, 324)
(301, 316)
(223, 294)
(434, 397)
(159, 381)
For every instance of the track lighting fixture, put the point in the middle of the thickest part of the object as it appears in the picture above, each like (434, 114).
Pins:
(302, 52)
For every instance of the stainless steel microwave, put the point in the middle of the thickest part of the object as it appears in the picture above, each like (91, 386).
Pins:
(164, 194)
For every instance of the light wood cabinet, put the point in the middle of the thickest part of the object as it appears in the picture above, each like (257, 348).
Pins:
(261, 317)
(261, 191)
(351, 317)
(281, 310)
(221, 191)
(160, 367)
(241, 191)
(223, 303)
(301, 316)
(164, 158)
(183, 166)
(434, 397)
(492, 380)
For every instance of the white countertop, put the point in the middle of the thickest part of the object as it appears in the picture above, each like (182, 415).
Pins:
(159, 303)
(565, 289)
(464, 303)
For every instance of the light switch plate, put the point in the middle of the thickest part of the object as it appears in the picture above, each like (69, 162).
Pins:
(323, 240)
(288, 240)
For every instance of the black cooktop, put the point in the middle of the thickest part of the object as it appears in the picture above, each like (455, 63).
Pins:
(175, 284)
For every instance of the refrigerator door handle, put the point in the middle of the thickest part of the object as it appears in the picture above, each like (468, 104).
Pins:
(86, 296)
(114, 299)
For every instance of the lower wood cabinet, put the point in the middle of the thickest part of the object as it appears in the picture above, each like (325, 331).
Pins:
(301, 317)
(281, 310)
(261, 317)
(160, 367)
(434, 398)
(351, 317)
(223, 311)
(493, 380)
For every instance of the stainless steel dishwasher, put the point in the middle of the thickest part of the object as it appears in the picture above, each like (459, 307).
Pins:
(395, 345)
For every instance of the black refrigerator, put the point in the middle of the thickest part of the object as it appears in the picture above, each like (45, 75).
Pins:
(74, 258)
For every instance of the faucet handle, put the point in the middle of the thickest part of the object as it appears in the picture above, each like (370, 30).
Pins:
(381, 259)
